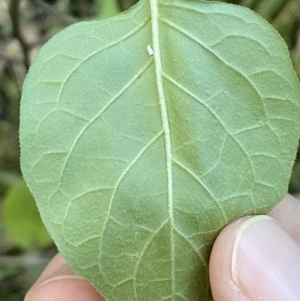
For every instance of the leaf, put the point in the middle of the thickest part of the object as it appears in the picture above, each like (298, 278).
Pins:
(22, 220)
(137, 161)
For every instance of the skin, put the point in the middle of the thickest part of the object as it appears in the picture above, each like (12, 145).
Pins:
(253, 258)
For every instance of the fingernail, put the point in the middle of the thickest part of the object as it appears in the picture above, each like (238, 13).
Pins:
(266, 261)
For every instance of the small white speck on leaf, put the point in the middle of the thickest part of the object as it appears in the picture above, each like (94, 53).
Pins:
(150, 50)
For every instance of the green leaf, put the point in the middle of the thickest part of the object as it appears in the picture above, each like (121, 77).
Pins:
(22, 220)
(143, 135)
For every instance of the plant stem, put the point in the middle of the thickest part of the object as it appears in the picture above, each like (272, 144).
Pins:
(121, 5)
(50, 9)
(16, 30)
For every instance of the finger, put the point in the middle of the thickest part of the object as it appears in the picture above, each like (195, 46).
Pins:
(254, 258)
(59, 282)
(287, 213)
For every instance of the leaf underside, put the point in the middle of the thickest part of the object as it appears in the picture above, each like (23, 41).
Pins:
(137, 160)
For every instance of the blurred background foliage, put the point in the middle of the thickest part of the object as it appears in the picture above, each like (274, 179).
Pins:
(25, 25)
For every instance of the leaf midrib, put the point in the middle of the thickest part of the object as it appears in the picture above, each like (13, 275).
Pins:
(166, 128)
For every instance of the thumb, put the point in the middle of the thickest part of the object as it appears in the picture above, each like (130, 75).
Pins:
(254, 258)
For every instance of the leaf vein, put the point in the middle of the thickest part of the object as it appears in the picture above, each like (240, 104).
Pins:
(99, 114)
(185, 33)
(166, 128)
(147, 244)
(186, 169)
(215, 116)
(138, 156)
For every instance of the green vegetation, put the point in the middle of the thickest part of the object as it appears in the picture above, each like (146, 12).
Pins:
(22, 32)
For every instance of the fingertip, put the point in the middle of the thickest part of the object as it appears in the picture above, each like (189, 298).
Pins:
(64, 288)
(59, 282)
(265, 261)
(222, 284)
(287, 214)
(254, 258)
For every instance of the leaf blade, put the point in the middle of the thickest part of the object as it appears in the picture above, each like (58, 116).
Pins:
(183, 141)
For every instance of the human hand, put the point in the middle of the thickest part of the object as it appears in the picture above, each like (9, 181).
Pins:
(58, 282)
(258, 258)
(253, 258)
